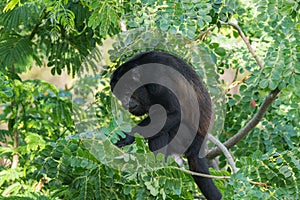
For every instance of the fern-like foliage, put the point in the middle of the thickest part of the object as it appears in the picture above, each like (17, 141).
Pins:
(58, 33)
(274, 176)
(15, 51)
(26, 14)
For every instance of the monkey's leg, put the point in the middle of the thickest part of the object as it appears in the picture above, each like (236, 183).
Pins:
(197, 164)
(206, 185)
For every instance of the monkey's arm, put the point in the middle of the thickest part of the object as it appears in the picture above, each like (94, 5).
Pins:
(172, 121)
(125, 141)
(129, 138)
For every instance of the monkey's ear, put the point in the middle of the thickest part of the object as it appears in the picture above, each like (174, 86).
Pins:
(136, 75)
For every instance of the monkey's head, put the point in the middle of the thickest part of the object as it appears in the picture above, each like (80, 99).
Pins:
(137, 102)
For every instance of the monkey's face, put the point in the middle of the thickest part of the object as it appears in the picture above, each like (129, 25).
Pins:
(138, 103)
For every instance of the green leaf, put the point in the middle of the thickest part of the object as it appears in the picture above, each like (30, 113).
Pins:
(287, 72)
(173, 30)
(200, 22)
(264, 83)
(273, 84)
(164, 26)
(11, 5)
(285, 171)
(16, 51)
(153, 190)
(177, 187)
(220, 51)
(231, 102)
(207, 18)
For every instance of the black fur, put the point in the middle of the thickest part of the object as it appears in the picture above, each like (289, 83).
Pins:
(151, 94)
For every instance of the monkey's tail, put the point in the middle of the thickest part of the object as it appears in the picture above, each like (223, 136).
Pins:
(206, 185)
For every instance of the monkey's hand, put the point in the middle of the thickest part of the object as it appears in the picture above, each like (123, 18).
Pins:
(125, 141)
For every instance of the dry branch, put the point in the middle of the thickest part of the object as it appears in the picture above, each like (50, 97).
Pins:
(205, 33)
(249, 126)
(199, 174)
(237, 27)
(225, 152)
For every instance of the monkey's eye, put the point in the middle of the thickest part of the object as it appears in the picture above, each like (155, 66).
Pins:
(133, 104)
(125, 102)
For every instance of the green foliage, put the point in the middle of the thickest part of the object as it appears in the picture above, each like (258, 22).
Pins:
(185, 17)
(37, 119)
(277, 135)
(36, 103)
(91, 179)
(276, 175)
(38, 112)
(105, 10)
(52, 24)
(15, 50)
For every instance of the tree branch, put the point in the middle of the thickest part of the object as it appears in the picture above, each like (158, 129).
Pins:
(237, 27)
(265, 185)
(224, 150)
(199, 174)
(36, 27)
(249, 126)
(204, 33)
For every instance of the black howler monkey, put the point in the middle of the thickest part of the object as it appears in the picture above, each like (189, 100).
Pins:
(142, 98)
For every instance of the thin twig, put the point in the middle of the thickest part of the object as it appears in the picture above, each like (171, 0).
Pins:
(36, 27)
(249, 126)
(259, 183)
(199, 174)
(204, 33)
(245, 39)
(214, 177)
(225, 152)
